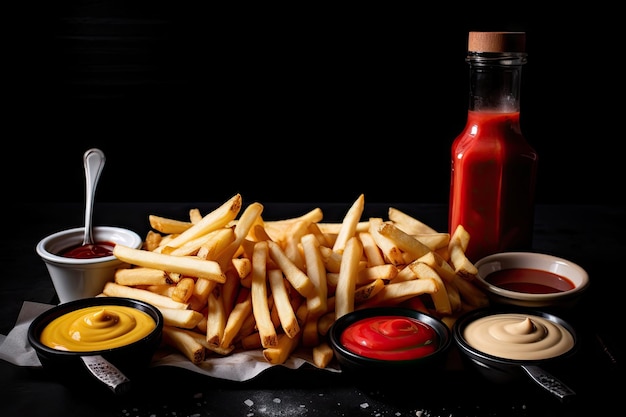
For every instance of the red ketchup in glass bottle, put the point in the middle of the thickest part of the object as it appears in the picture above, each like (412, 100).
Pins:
(492, 187)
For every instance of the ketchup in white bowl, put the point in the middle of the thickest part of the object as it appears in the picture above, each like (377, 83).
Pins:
(531, 279)
(89, 251)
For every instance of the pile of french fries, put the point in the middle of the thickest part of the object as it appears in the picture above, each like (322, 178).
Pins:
(230, 281)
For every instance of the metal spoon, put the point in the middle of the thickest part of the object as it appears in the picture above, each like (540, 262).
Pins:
(93, 159)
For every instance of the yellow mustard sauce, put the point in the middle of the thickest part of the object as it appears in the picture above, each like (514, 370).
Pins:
(97, 328)
(518, 336)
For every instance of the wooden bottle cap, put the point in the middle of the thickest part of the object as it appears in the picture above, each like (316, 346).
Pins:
(496, 42)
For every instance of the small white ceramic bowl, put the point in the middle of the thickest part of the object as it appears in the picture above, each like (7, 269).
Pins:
(526, 290)
(74, 278)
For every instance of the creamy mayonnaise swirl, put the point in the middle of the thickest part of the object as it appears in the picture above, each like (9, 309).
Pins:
(518, 336)
(97, 328)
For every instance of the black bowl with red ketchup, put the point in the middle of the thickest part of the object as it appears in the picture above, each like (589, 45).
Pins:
(531, 279)
(382, 342)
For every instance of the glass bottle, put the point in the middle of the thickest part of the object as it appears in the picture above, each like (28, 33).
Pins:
(493, 172)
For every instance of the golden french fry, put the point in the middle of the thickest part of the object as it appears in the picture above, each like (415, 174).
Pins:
(152, 240)
(194, 216)
(372, 251)
(349, 223)
(140, 276)
(243, 267)
(183, 290)
(398, 292)
(187, 265)
(186, 319)
(365, 292)
(405, 242)
(443, 268)
(235, 320)
(298, 279)
(280, 353)
(440, 295)
(344, 293)
(384, 272)
(216, 317)
(260, 308)
(168, 226)
(391, 251)
(458, 243)
(316, 272)
(407, 223)
(214, 220)
(286, 314)
(322, 355)
(291, 244)
(185, 343)
(219, 239)
(434, 241)
(332, 259)
(115, 290)
(247, 219)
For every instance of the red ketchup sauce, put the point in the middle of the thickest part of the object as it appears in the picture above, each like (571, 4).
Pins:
(492, 186)
(530, 281)
(390, 338)
(97, 250)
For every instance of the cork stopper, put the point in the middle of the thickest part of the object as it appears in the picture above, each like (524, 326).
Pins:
(496, 42)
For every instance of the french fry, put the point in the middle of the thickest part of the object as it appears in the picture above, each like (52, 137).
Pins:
(404, 241)
(186, 265)
(235, 319)
(409, 224)
(185, 343)
(440, 295)
(286, 314)
(384, 272)
(260, 308)
(280, 353)
(219, 239)
(391, 251)
(168, 226)
(458, 243)
(316, 272)
(152, 240)
(194, 216)
(344, 293)
(214, 220)
(140, 276)
(349, 223)
(298, 279)
(176, 317)
(371, 250)
(322, 355)
(398, 292)
(248, 218)
(115, 290)
(183, 290)
(365, 292)
(216, 317)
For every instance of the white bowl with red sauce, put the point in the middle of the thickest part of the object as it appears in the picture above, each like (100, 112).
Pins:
(378, 344)
(78, 273)
(530, 279)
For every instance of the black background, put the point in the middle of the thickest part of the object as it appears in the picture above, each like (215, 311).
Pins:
(304, 104)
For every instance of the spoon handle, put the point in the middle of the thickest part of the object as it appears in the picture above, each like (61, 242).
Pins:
(93, 160)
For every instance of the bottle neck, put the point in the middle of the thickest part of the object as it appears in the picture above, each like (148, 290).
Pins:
(495, 80)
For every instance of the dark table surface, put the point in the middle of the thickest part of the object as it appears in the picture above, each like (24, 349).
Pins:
(589, 235)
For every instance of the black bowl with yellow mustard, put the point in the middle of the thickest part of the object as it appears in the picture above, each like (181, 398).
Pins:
(101, 339)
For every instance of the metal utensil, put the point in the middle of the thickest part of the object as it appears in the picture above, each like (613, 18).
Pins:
(93, 159)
